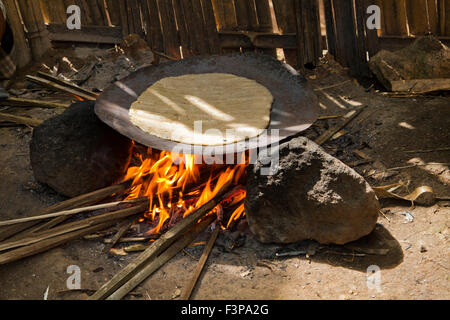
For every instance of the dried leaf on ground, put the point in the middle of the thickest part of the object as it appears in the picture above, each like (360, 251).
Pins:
(422, 195)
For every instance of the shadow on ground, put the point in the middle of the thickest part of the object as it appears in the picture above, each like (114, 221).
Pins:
(379, 248)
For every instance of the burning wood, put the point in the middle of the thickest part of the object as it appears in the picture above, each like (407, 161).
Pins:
(165, 241)
(176, 184)
(158, 262)
(173, 191)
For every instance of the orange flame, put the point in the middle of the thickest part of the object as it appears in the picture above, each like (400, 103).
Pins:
(174, 185)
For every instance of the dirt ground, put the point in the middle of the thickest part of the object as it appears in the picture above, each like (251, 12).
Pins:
(416, 266)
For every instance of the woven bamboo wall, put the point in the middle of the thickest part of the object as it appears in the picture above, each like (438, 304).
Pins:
(415, 17)
(203, 26)
(183, 28)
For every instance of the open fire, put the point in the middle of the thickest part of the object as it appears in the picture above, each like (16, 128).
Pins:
(176, 185)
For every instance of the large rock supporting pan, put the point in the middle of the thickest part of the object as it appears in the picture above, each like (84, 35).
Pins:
(75, 153)
(312, 196)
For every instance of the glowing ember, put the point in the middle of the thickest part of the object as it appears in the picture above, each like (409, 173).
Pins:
(176, 185)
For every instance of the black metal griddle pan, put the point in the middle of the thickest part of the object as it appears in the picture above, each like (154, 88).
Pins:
(294, 109)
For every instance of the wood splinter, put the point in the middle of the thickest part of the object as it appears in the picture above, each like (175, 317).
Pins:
(201, 264)
(165, 241)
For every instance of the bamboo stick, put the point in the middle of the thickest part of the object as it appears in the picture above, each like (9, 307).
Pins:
(58, 220)
(332, 131)
(210, 26)
(45, 226)
(157, 247)
(50, 84)
(130, 239)
(201, 264)
(154, 29)
(20, 253)
(23, 51)
(73, 226)
(67, 84)
(330, 117)
(123, 228)
(71, 212)
(82, 200)
(169, 28)
(182, 28)
(37, 32)
(172, 251)
(163, 55)
(17, 102)
(123, 18)
(20, 120)
(30, 240)
(429, 150)
(53, 11)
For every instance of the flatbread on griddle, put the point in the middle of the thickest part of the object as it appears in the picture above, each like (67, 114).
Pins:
(203, 109)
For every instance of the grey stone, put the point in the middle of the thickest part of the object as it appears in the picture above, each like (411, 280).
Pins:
(75, 153)
(312, 196)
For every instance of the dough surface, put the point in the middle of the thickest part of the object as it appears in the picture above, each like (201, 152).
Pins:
(208, 109)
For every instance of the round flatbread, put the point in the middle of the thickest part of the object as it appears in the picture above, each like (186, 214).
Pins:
(203, 109)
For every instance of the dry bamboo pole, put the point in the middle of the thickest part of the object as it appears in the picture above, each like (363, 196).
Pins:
(56, 221)
(71, 212)
(210, 26)
(182, 28)
(265, 22)
(123, 228)
(20, 253)
(82, 200)
(86, 17)
(123, 18)
(73, 226)
(97, 17)
(131, 239)
(53, 11)
(37, 33)
(286, 20)
(157, 247)
(23, 52)
(332, 131)
(20, 120)
(394, 16)
(67, 84)
(159, 261)
(105, 12)
(169, 29)
(18, 102)
(52, 85)
(201, 264)
(114, 14)
(155, 29)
